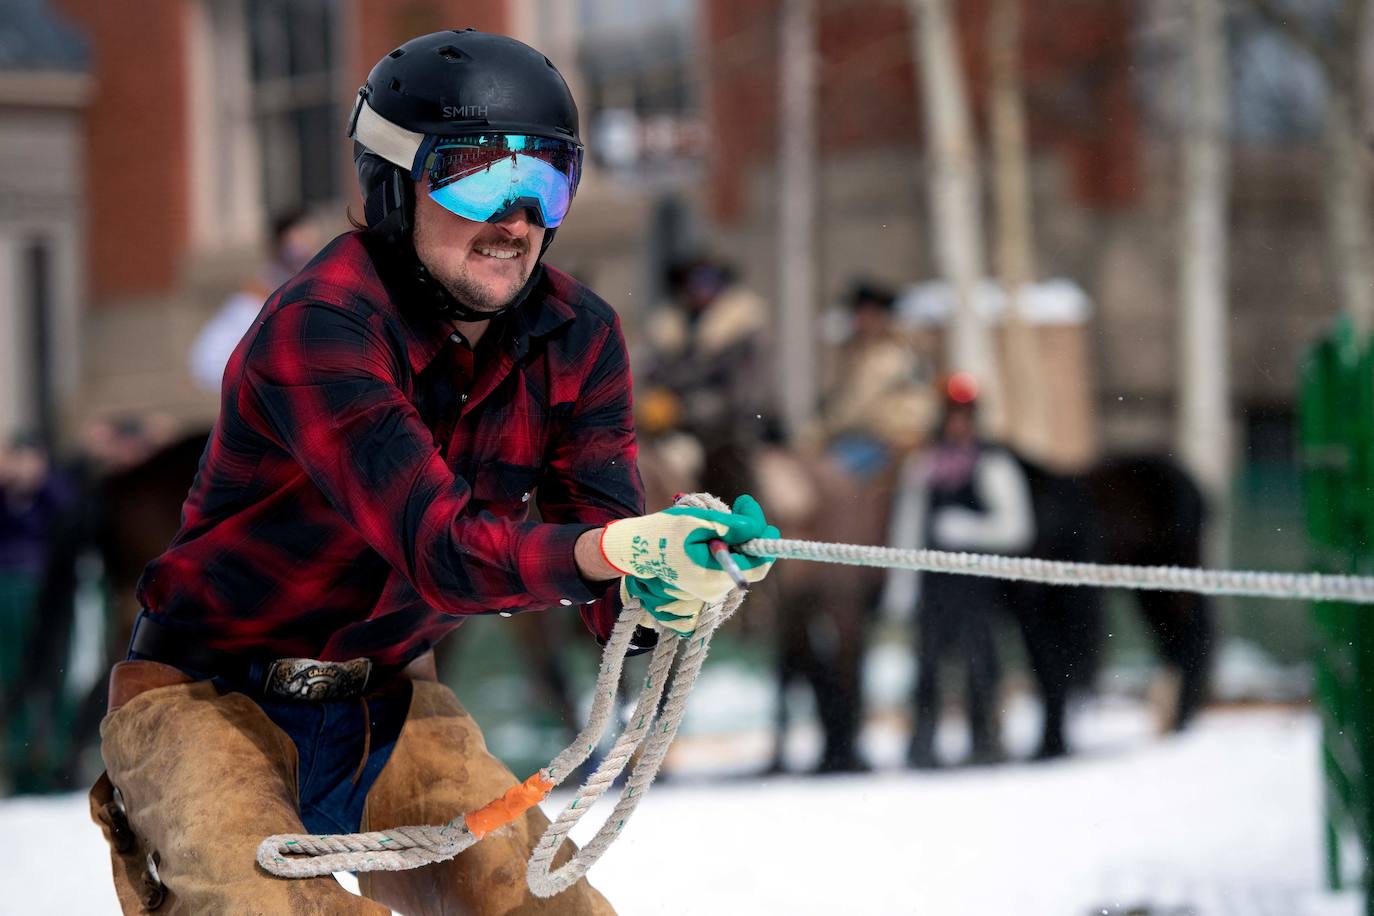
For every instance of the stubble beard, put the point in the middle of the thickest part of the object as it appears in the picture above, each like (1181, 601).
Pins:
(460, 284)
(476, 295)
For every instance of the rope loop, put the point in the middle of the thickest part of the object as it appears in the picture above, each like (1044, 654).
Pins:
(650, 732)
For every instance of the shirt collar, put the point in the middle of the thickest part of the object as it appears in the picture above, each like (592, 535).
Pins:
(542, 313)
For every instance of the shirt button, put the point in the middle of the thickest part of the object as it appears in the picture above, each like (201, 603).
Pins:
(463, 398)
(565, 601)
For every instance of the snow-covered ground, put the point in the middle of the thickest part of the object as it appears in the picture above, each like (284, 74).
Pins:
(1222, 820)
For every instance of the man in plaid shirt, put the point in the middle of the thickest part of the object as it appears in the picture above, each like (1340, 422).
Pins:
(385, 425)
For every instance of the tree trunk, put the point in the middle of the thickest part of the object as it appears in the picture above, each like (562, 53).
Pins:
(1028, 425)
(1340, 50)
(954, 206)
(797, 185)
(1204, 397)
(1346, 180)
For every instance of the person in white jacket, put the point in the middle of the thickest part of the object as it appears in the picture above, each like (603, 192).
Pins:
(295, 240)
(961, 494)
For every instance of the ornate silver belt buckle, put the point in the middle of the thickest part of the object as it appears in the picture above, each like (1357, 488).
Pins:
(311, 679)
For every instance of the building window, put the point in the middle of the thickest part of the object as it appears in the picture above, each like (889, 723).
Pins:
(294, 65)
(639, 83)
(40, 412)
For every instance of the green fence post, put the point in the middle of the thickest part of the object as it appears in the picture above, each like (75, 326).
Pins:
(1336, 418)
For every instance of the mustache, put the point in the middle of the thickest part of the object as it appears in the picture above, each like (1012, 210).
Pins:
(520, 246)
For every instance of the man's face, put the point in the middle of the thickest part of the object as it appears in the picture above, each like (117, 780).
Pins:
(24, 469)
(298, 245)
(870, 319)
(482, 265)
(959, 427)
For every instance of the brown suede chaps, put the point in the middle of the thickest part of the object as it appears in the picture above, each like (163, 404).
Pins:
(196, 779)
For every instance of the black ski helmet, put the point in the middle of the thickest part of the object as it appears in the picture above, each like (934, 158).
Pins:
(440, 85)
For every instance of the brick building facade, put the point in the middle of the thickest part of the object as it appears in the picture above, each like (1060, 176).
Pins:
(205, 118)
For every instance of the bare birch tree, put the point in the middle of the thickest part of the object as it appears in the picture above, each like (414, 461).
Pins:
(1338, 49)
(956, 224)
(1204, 414)
(1028, 425)
(797, 181)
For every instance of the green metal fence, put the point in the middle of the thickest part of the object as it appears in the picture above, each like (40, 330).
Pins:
(1336, 417)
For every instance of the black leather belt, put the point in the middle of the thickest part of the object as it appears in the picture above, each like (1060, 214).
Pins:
(306, 679)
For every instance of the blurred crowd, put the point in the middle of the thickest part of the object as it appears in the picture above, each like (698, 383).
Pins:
(896, 454)
(55, 636)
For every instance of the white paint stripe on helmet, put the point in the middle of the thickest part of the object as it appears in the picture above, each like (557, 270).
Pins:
(391, 141)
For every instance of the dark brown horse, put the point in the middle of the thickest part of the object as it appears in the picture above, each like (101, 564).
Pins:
(824, 611)
(1137, 510)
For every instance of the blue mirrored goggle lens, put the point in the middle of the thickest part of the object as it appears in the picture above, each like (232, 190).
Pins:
(486, 180)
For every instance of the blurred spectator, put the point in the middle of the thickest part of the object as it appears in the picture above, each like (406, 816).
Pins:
(58, 659)
(961, 494)
(876, 403)
(32, 498)
(295, 240)
(108, 445)
(704, 368)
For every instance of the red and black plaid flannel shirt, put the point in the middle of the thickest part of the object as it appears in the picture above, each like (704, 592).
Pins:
(361, 493)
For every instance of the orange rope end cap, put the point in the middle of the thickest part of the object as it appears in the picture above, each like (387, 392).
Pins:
(517, 800)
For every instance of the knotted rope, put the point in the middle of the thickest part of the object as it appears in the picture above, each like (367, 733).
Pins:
(400, 848)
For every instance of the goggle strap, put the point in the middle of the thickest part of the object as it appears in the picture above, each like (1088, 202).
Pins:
(391, 141)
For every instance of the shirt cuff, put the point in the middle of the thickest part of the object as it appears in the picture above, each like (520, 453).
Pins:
(548, 562)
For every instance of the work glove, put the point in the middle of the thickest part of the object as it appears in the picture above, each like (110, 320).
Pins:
(664, 607)
(672, 547)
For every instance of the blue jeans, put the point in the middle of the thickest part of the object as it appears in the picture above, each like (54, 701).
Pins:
(330, 740)
(860, 456)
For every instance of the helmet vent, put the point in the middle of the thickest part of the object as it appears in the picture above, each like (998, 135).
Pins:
(395, 85)
(397, 53)
(450, 53)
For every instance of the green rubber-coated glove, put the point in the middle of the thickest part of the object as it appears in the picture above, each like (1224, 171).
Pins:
(672, 546)
(664, 607)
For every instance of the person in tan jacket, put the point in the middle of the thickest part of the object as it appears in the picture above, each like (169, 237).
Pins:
(706, 355)
(876, 399)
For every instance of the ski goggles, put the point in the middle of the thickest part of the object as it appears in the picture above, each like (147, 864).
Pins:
(484, 177)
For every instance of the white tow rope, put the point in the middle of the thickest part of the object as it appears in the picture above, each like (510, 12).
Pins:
(653, 730)
(1292, 586)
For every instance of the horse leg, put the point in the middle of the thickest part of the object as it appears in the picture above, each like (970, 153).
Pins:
(1034, 609)
(798, 601)
(533, 633)
(791, 652)
(936, 628)
(1183, 631)
(1194, 656)
(839, 695)
(981, 670)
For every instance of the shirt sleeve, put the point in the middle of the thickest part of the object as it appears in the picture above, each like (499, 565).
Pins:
(1007, 524)
(321, 382)
(901, 587)
(592, 473)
